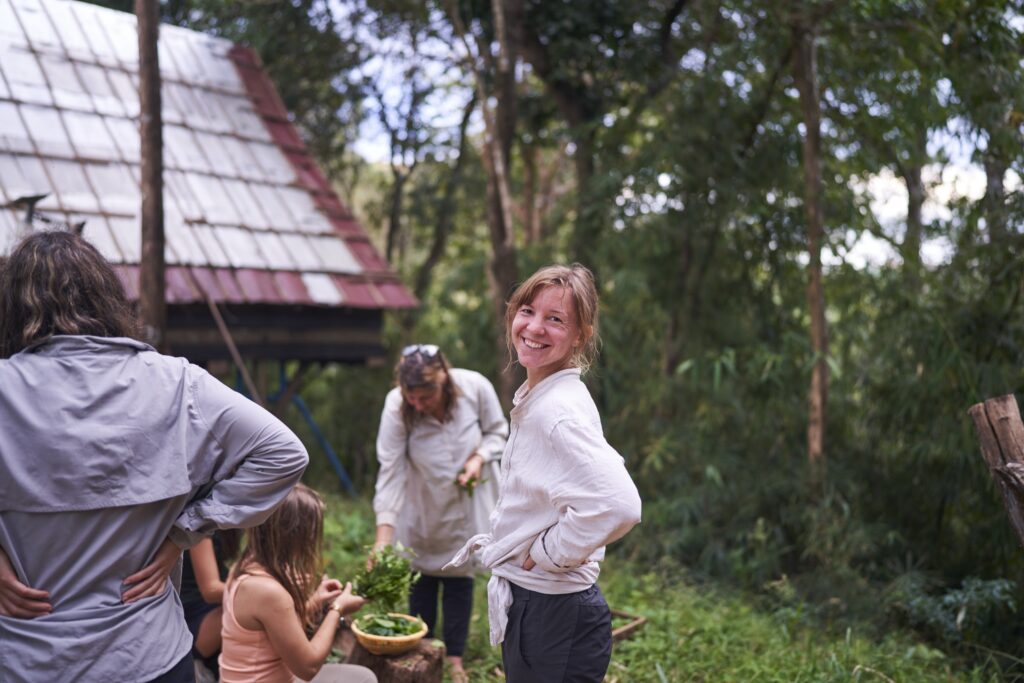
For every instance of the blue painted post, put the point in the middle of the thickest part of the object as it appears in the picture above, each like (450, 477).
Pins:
(339, 469)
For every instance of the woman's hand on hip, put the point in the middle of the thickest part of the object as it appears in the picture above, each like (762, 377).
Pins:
(17, 599)
(152, 579)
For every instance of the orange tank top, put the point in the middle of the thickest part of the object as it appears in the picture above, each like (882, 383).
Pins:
(246, 656)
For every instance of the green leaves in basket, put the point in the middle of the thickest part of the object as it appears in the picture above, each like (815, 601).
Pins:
(387, 585)
(384, 625)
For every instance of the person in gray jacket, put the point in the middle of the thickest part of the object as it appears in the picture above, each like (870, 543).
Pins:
(113, 457)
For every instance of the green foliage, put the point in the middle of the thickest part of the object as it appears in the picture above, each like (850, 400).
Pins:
(697, 631)
(684, 181)
(383, 625)
(955, 616)
(387, 583)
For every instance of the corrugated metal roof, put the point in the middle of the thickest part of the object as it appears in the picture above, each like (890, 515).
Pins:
(249, 216)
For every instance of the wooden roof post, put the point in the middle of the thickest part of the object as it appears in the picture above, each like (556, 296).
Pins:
(1000, 433)
(152, 303)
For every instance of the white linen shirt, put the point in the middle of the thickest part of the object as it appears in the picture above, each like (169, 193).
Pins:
(565, 495)
(416, 491)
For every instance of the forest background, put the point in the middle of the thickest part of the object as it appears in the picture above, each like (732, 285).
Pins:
(806, 222)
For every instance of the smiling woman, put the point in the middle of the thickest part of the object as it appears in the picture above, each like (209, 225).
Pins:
(545, 333)
(552, 321)
(565, 493)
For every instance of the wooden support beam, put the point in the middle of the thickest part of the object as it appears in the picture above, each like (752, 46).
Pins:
(152, 304)
(294, 384)
(1000, 432)
(233, 350)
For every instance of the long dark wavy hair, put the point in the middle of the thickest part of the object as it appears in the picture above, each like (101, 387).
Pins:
(57, 283)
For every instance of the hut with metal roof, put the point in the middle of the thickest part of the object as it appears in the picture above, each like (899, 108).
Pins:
(255, 235)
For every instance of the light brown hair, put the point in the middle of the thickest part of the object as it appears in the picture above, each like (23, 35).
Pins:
(417, 370)
(288, 546)
(57, 283)
(578, 281)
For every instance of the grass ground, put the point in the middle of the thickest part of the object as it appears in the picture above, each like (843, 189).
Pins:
(694, 632)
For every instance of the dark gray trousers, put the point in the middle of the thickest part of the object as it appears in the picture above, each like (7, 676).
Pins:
(557, 638)
(456, 605)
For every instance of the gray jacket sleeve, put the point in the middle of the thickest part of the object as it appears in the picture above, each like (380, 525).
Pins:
(242, 461)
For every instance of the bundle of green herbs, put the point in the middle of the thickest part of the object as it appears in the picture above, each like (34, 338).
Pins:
(386, 586)
(470, 484)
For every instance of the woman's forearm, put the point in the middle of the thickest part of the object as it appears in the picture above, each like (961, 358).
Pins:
(385, 535)
(323, 639)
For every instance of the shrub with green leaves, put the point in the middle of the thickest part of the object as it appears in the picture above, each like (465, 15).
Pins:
(387, 583)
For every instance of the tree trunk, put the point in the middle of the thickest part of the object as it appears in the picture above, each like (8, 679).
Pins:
(395, 215)
(152, 302)
(446, 212)
(587, 230)
(499, 131)
(502, 274)
(805, 74)
(443, 225)
(911, 247)
(1000, 433)
(547, 194)
(995, 197)
(423, 664)
(674, 331)
(529, 208)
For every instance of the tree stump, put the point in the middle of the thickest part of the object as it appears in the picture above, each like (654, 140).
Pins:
(423, 664)
(1000, 431)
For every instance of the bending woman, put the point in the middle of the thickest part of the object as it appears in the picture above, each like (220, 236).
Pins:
(112, 457)
(440, 425)
(565, 493)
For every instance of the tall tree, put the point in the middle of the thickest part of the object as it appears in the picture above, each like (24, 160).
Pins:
(492, 56)
(585, 54)
(804, 28)
(152, 302)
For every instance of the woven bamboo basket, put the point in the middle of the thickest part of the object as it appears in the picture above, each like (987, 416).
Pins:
(389, 645)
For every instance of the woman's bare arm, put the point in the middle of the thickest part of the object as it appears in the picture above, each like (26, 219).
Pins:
(263, 604)
(204, 566)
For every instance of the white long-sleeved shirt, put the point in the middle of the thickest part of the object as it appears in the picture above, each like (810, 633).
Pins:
(565, 495)
(416, 491)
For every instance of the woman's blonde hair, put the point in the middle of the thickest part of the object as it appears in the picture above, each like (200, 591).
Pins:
(579, 282)
(288, 546)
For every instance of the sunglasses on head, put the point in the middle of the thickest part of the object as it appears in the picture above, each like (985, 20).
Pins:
(425, 350)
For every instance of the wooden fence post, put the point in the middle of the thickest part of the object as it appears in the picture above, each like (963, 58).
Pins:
(1000, 431)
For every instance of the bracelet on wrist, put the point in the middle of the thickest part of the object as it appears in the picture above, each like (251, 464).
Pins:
(341, 615)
